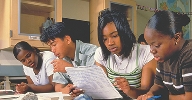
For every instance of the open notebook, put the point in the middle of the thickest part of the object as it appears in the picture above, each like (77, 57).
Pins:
(93, 81)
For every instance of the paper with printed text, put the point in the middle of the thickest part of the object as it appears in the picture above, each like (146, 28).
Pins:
(93, 81)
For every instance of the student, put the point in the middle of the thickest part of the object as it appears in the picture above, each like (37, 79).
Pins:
(141, 39)
(174, 71)
(36, 66)
(129, 64)
(64, 44)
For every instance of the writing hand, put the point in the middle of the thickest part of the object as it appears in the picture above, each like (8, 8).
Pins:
(67, 89)
(75, 92)
(144, 97)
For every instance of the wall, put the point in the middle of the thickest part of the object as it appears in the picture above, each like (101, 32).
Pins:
(7, 58)
(142, 21)
(143, 16)
(76, 9)
(9, 66)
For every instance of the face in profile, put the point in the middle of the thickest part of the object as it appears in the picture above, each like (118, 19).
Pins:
(59, 47)
(111, 39)
(162, 46)
(28, 58)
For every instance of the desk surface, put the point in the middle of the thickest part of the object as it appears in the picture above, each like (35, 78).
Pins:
(41, 96)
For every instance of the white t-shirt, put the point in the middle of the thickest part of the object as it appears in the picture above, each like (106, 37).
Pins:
(125, 65)
(42, 78)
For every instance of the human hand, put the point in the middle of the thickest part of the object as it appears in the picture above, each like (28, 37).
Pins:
(60, 64)
(74, 92)
(122, 84)
(67, 89)
(145, 96)
(22, 88)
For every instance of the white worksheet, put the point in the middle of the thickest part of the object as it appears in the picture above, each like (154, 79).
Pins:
(93, 81)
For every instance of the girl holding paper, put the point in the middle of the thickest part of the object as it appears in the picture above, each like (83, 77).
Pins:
(130, 65)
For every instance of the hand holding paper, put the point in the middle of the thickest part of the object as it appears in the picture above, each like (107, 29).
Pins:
(93, 81)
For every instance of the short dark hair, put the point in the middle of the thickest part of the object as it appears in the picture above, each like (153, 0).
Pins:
(23, 46)
(127, 38)
(168, 22)
(57, 30)
(141, 39)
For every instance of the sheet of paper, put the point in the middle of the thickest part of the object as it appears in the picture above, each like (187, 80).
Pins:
(93, 81)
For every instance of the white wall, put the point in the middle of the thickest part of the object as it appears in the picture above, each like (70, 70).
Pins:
(7, 58)
(142, 21)
(142, 15)
(76, 9)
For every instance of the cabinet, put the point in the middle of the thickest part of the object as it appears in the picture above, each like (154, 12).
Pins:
(23, 20)
(126, 6)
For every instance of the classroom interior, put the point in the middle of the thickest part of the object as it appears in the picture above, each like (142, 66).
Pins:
(17, 24)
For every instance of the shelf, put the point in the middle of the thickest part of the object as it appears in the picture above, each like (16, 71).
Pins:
(36, 6)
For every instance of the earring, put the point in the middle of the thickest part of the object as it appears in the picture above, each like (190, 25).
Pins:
(175, 43)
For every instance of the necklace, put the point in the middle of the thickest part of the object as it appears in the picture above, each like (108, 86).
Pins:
(120, 64)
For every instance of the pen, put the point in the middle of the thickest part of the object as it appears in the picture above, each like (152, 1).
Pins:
(71, 91)
(154, 97)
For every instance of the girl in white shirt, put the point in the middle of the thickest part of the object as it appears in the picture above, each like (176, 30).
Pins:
(129, 64)
(37, 68)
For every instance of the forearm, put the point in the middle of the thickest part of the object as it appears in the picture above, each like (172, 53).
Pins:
(59, 87)
(41, 88)
(142, 94)
(177, 97)
(159, 90)
(156, 89)
(135, 92)
(65, 89)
